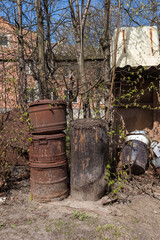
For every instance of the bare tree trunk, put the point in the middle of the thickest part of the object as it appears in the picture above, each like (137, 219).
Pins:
(22, 74)
(81, 64)
(49, 55)
(70, 109)
(41, 52)
(105, 43)
(114, 64)
(79, 16)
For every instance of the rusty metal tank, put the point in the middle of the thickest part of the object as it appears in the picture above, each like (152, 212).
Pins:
(47, 116)
(89, 146)
(48, 165)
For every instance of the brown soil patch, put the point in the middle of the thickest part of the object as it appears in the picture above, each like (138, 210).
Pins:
(135, 217)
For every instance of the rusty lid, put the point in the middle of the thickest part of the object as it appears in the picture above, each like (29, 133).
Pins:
(47, 101)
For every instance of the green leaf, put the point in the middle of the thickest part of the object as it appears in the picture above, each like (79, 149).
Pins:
(13, 226)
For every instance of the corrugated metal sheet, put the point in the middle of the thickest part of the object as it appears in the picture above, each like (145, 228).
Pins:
(137, 46)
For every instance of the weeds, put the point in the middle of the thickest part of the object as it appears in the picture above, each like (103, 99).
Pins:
(1, 226)
(49, 227)
(58, 223)
(13, 226)
(66, 228)
(116, 231)
(81, 216)
(112, 231)
(115, 181)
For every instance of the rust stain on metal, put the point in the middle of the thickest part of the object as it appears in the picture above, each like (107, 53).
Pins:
(96, 135)
(75, 143)
(124, 41)
(87, 162)
(83, 164)
(151, 39)
(82, 141)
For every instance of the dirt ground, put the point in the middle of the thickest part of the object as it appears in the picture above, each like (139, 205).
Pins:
(136, 216)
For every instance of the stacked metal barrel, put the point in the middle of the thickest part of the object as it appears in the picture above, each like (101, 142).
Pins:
(48, 162)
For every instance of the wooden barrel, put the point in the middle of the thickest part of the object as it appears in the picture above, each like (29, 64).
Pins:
(48, 164)
(47, 116)
(89, 147)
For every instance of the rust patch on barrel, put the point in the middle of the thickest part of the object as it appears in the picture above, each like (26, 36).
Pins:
(96, 135)
(76, 141)
(83, 164)
(82, 141)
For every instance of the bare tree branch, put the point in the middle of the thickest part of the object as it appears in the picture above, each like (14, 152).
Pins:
(114, 62)
(72, 14)
(84, 17)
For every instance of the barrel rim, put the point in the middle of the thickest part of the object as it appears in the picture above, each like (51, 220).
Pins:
(88, 123)
(45, 107)
(47, 101)
(138, 137)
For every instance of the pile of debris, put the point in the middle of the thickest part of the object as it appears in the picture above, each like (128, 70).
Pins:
(155, 145)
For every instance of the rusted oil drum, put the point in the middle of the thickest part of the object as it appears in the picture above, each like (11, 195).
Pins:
(135, 153)
(89, 146)
(48, 165)
(49, 182)
(46, 149)
(47, 116)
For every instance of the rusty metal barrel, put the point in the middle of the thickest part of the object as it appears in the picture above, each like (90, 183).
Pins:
(46, 149)
(47, 116)
(89, 146)
(48, 164)
(135, 153)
